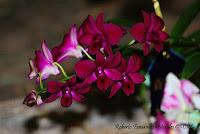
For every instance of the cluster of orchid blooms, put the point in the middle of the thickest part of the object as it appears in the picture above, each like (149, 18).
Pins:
(103, 66)
(108, 69)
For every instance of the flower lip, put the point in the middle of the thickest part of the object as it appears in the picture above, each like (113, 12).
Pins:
(68, 91)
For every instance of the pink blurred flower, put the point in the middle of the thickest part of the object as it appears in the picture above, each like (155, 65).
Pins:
(68, 91)
(98, 35)
(43, 63)
(161, 125)
(181, 98)
(150, 32)
(68, 48)
(179, 95)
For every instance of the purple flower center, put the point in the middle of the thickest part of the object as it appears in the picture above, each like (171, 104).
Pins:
(100, 70)
(99, 39)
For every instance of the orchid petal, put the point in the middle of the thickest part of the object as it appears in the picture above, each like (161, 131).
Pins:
(52, 97)
(86, 39)
(39, 101)
(136, 78)
(33, 69)
(158, 46)
(107, 48)
(146, 17)
(68, 48)
(82, 88)
(40, 60)
(113, 33)
(196, 101)
(73, 36)
(90, 79)
(189, 88)
(122, 67)
(71, 81)
(47, 52)
(128, 87)
(113, 74)
(89, 26)
(77, 53)
(70, 39)
(80, 32)
(77, 97)
(84, 68)
(139, 31)
(66, 100)
(134, 63)
(103, 82)
(49, 70)
(163, 35)
(44, 67)
(94, 49)
(100, 59)
(114, 60)
(156, 22)
(146, 49)
(115, 88)
(53, 86)
(100, 21)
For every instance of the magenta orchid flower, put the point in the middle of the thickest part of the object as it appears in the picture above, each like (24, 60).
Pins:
(32, 99)
(68, 91)
(150, 32)
(43, 63)
(102, 70)
(161, 125)
(130, 76)
(68, 48)
(98, 35)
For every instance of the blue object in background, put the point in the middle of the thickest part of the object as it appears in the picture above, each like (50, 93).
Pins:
(167, 61)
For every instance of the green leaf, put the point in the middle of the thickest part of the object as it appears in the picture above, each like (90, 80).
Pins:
(122, 21)
(192, 65)
(185, 19)
(195, 36)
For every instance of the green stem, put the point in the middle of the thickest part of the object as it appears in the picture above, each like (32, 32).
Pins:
(61, 69)
(40, 81)
(86, 53)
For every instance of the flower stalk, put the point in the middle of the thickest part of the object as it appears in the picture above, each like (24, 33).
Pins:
(61, 69)
(40, 81)
(158, 10)
(85, 52)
